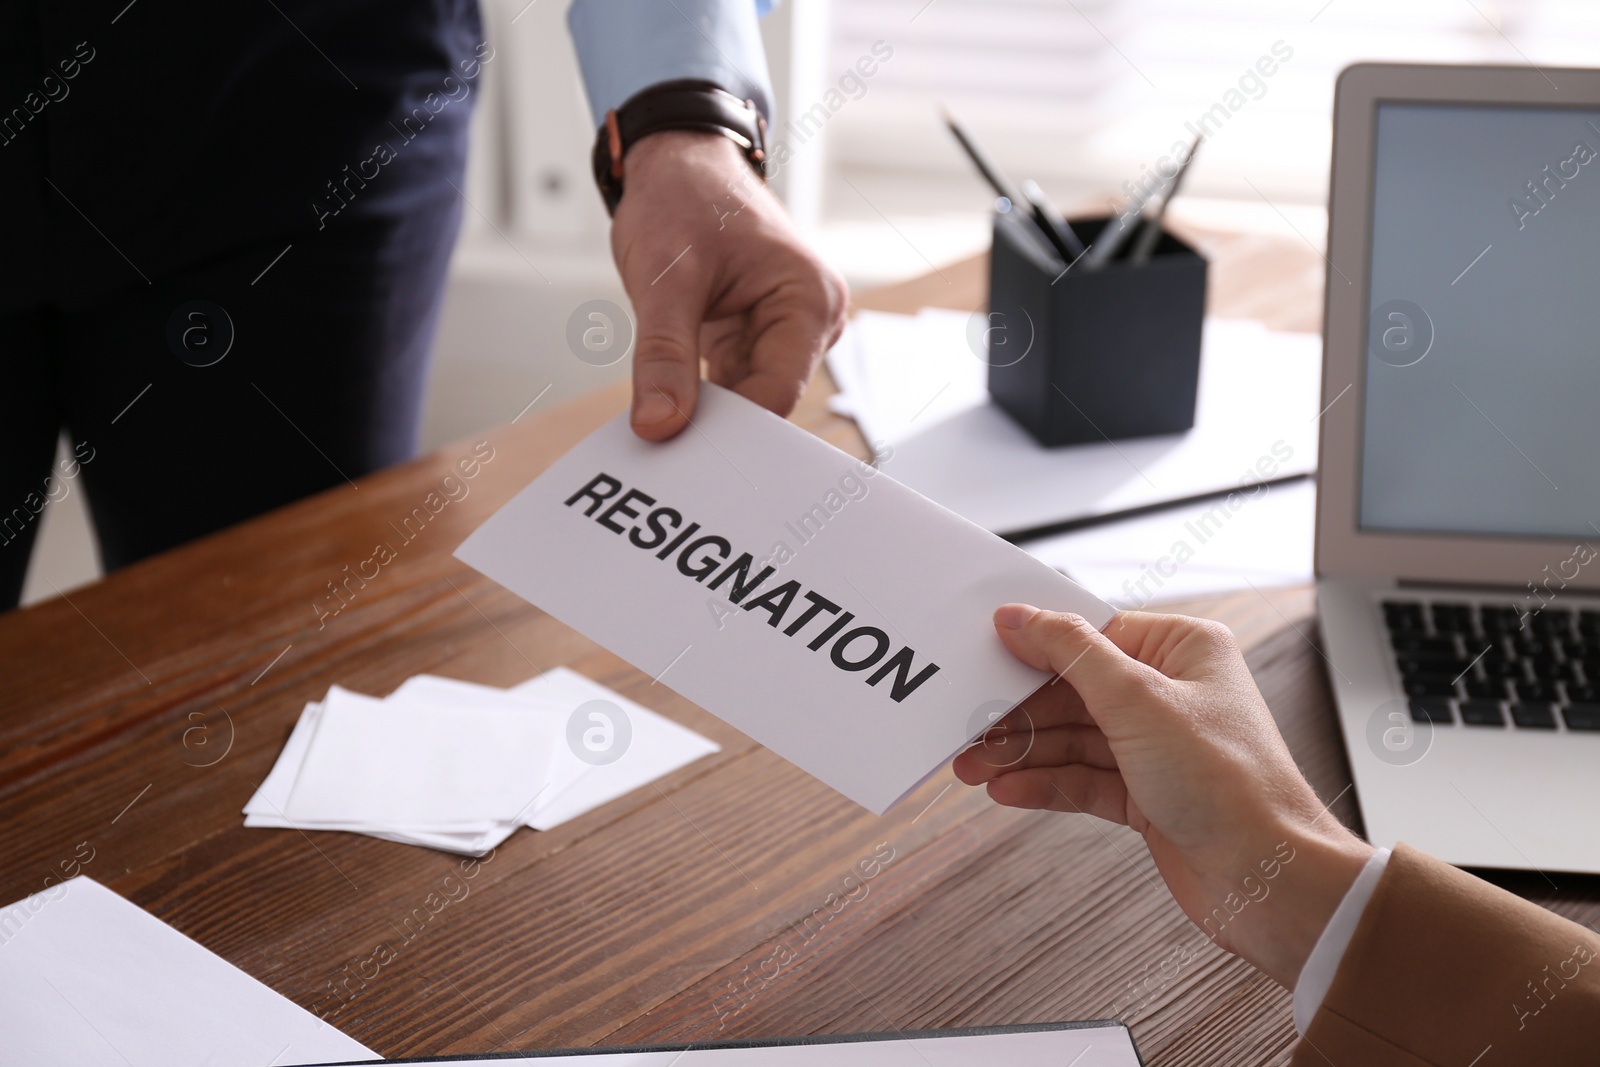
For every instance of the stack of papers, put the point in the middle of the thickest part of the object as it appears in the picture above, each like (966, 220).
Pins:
(457, 766)
(919, 393)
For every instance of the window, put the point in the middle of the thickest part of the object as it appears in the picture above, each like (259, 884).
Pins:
(1086, 94)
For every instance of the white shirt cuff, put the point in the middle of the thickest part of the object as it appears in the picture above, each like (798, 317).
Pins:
(1317, 974)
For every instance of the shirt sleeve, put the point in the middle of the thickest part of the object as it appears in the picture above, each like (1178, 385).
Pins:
(1317, 974)
(627, 45)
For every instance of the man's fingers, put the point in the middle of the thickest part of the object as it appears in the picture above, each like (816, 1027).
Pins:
(778, 392)
(666, 358)
(996, 755)
(1074, 788)
(792, 327)
(666, 384)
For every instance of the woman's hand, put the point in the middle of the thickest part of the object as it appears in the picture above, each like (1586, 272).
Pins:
(1158, 724)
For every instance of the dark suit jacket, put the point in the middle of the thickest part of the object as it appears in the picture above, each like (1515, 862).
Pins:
(163, 133)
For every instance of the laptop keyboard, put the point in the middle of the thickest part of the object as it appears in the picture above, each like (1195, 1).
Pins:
(1483, 665)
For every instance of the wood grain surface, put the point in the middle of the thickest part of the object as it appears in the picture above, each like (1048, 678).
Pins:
(140, 713)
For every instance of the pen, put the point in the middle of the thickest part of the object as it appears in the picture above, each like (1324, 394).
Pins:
(1002, 185)
(1112, 236)
(1053, 219)
(1152, 227)
(1111, 241)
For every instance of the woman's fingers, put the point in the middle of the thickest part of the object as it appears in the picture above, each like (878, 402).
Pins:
(998, 754)
(1053, 704)
(1177, 646)
(1073, 788)
(1104, 674)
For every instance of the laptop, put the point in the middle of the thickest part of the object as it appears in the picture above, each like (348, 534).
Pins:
(1458, 511)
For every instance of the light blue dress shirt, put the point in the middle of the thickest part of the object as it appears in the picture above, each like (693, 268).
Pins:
(625, 45)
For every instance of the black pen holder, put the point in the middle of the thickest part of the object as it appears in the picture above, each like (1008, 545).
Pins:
(1077, 356)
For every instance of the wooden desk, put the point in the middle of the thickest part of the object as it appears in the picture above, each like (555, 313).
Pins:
(140, 713)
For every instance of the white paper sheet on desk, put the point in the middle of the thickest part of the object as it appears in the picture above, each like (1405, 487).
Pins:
(919, 585)
(914, 383)
(89, 980)
(265, 807)
(457, 770)
(564, 769)
(1261, 538)
(656, 747)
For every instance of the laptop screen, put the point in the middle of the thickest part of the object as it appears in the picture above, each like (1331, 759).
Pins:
(1482, 407)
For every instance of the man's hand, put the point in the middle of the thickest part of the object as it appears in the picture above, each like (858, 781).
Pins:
(717, 272)
(1157, 724)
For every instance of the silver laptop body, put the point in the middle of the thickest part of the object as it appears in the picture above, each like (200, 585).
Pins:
(1458, 514)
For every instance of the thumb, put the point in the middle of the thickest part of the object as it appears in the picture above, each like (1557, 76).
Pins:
(1067, 645)
(666, 362)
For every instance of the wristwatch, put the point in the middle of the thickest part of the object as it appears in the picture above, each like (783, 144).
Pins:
(685, 104)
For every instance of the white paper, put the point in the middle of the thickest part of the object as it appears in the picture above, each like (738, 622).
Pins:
(565, 767)
(914, 383)
(649, 746)
(272, 795)
(458, 769)
(905, 374)
(1262, 537)
(918, 583)
(265, 808)
(89, 980)
(1087, 1046)
(657, 746)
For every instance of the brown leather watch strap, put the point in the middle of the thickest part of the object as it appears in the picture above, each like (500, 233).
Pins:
(687, 104)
